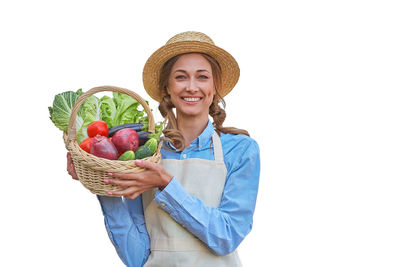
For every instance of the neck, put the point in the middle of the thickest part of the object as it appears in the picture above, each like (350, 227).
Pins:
(191, 128)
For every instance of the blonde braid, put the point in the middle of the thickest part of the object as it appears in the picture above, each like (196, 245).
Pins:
(171, 132)
(218, 114)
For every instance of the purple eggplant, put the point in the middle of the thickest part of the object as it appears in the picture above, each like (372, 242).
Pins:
(136, 126)
(143, 137)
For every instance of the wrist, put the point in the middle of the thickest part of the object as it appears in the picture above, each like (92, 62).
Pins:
(165, 181)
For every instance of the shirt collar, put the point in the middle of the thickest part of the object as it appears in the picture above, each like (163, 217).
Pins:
(202, 140)
(205, 137)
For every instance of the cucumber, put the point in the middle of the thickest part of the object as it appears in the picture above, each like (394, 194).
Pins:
(127, 155)
(143, 152)
(152, 144)
(136, 126)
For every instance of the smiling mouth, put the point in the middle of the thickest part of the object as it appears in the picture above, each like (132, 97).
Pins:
(191, 99)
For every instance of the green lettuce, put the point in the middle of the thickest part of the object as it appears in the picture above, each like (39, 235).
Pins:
(126, 110)
(90, 112)
(108, 110)
(122, 108)
(61, 110)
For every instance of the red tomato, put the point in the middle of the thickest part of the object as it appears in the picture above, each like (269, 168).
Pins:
(97, 127)
(86, 144)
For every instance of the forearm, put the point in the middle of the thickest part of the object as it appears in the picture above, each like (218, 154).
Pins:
(126, 229)
(221, 229)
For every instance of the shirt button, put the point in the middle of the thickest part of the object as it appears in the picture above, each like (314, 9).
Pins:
(162, 204)
(184, 156)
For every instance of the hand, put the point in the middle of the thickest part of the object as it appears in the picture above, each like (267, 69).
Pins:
(70, 167)
(134, 184)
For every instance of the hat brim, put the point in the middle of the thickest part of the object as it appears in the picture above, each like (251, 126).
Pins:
(151, 71)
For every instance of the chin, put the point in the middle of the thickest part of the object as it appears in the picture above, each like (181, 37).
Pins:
(191, 113)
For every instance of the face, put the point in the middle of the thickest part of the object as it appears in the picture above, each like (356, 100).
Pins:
(191, 86)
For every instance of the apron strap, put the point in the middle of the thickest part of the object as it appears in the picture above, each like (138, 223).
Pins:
(218, 154)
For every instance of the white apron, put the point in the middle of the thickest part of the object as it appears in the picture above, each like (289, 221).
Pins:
(171, 243)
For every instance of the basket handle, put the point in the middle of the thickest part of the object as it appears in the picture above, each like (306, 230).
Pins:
(71, 135)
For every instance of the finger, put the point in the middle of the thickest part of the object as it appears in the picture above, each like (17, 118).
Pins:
(133, 196)
(73, 172)
(126, 176)
(122, 183)
(73, 175)
(146, 164)
(71, 168)
(69, 160)
(138, 193)
(124, 192)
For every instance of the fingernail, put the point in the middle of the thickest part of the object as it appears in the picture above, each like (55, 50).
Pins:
(138, 161)
(109, 192)
(106, 180)
(110, 173)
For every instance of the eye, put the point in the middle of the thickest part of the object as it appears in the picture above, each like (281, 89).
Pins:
(180, 77)
(203, 77)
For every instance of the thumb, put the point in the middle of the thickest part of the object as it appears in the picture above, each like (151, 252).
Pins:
(145, 164)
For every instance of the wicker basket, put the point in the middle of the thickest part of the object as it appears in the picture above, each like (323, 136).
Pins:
(92, 170)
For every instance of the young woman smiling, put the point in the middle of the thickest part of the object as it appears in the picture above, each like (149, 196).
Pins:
(197, 205)
(191, 91)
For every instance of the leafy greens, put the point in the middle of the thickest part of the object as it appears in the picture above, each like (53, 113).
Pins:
(62, 108)
(90, 112)
(116, 110)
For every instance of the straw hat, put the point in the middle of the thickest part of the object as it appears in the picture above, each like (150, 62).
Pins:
(189, 42)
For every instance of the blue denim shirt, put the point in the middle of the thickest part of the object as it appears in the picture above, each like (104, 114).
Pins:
(222, 229)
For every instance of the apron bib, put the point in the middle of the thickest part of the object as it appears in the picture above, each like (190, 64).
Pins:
(171, 243)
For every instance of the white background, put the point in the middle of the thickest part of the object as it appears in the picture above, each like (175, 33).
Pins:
(319, 91)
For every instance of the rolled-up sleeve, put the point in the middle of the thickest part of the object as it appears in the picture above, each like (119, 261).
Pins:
(223, 228)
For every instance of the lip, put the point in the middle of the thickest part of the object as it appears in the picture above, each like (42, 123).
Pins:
(192, 101)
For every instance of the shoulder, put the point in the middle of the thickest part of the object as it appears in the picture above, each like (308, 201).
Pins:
(238, 147)
(241, 156)
(238, 142)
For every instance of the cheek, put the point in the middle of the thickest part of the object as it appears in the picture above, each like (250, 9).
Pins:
(169, 86)
(210, 97)
(211, 92)
(172, 89)
(173, 99)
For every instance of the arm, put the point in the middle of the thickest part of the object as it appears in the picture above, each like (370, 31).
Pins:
(126, 228)
(125, 225)
(222, 229)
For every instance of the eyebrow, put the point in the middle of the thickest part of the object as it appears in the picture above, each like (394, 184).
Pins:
(184, 71)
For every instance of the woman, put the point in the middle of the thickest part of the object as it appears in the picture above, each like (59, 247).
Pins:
(198, 203)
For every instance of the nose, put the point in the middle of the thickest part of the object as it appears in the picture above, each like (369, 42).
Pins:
(192, 86)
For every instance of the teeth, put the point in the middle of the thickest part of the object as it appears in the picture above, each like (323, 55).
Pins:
(191, 99)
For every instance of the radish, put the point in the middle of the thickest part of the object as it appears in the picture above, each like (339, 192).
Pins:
(126, 139)
(102, 147)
